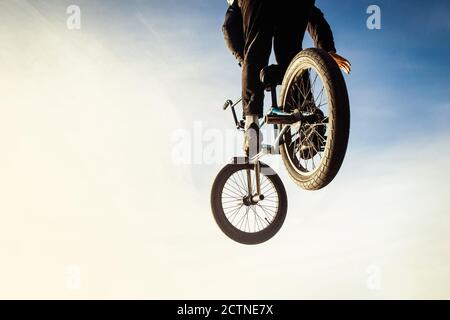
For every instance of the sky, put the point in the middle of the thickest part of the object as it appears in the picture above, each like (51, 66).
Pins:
(111, 136)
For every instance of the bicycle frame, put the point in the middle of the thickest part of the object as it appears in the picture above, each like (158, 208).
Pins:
(276, 117)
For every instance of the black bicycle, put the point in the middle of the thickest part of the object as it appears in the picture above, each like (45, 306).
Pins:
(311, 125)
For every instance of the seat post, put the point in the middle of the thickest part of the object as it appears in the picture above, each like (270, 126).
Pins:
(273, 92)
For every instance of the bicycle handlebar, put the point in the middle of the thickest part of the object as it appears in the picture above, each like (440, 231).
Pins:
(230, 103)
(227, 104)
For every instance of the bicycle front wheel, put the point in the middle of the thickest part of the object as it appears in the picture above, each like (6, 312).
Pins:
(240, 218)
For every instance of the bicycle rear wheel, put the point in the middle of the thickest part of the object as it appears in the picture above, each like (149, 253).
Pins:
(237, 215)
(313, 150)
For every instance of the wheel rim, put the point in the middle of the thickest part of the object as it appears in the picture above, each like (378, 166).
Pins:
(306, 142)
(249, 218)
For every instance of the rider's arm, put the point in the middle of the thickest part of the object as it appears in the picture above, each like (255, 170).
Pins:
(320, 31)
(233, 32)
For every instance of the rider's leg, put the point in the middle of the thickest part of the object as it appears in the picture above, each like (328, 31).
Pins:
(253, 136)
(290, 26)
(258, 33)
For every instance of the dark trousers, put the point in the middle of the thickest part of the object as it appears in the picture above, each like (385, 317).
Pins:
(281, 22)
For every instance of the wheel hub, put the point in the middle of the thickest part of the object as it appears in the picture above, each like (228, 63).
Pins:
(312, 138)
(252, 200)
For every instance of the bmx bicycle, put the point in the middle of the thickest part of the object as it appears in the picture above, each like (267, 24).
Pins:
(311, 130)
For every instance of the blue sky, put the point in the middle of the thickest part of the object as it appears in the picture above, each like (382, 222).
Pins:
(88, 177)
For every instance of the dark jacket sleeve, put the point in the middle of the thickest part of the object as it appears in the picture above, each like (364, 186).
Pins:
(320, 31)
(233, 32)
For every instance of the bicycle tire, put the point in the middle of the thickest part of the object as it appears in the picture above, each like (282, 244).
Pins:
(223, 222)
(339, 117)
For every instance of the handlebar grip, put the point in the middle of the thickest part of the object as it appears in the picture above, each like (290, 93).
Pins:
(227, 104)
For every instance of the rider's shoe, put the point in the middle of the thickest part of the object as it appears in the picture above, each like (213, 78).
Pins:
(252, 140)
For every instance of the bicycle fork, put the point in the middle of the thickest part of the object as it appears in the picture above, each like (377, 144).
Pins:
(266, 150)
(255, 198)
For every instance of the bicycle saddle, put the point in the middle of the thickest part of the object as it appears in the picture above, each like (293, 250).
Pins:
(271, 76)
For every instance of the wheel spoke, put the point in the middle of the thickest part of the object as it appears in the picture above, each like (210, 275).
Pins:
(232, 192)
(234, 214)
(239, 187)
(256, 213)
(242, 180)
(266, 212)
(305, 146)
(233, 189)
(250, 217)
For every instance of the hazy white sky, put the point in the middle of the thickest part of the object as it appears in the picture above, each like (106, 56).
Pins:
(92, 205)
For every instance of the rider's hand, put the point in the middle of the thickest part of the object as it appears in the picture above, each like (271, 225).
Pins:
(343, 63)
